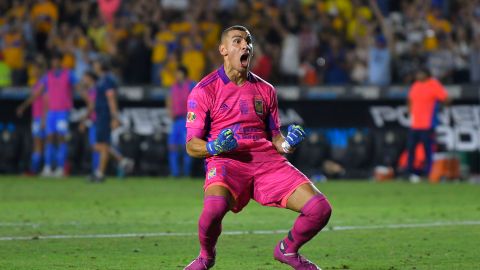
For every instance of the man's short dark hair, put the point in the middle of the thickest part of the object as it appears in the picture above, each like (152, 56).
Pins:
(232, 28)
(425, 70)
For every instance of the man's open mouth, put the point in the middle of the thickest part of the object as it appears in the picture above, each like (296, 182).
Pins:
(244, 59)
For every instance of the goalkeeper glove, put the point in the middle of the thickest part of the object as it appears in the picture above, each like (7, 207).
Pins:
(225, 142)
(295, 136)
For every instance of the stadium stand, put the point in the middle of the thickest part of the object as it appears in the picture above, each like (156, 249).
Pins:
(331, 42)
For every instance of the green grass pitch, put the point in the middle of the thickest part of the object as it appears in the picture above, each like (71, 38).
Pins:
(441, 226)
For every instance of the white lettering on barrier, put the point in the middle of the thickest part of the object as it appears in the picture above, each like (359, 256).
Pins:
(382, 114)
(458, 129)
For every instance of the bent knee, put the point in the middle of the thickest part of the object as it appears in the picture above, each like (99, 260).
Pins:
(326, 208)
(319, 208)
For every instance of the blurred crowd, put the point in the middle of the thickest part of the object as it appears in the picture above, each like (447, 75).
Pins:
(306, 42)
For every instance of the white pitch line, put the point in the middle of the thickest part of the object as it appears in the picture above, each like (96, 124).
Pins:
(405, 226)
(19, 224)
(257, 232)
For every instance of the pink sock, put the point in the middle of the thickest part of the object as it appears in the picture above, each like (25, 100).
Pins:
(314, 216)
(210, 224)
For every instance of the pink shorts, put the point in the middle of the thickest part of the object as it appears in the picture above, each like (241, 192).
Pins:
(269, 183)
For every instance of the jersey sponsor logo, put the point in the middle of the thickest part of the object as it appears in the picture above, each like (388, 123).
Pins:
(249, 137)
(251, 129)
(259, 106)
(212, 173)
(191, 116)
(236, 130)
(243, 107)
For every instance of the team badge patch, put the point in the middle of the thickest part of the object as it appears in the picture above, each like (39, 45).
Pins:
(259, 106)
(191, 116)
(212, 173)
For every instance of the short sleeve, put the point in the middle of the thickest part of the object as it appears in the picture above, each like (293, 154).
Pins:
(440, 92)
(273, 123)
(198, 106)
(410, 92)
(111, 85)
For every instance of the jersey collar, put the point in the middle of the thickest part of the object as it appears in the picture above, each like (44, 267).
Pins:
(226, 80)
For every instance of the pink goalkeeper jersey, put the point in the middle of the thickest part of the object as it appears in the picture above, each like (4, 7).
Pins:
(179, 94)
(59, 90)
(250, 110)
(37, 105)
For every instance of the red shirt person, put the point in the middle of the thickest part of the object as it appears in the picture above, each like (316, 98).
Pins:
(424, 98)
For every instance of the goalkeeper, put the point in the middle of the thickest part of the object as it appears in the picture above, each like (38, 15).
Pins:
(233, 122)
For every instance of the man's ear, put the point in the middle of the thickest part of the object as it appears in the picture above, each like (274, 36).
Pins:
(222, 49)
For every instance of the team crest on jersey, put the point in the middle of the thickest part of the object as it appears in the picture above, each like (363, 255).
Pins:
(212, 173)
(191, 116)
(259, 106)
